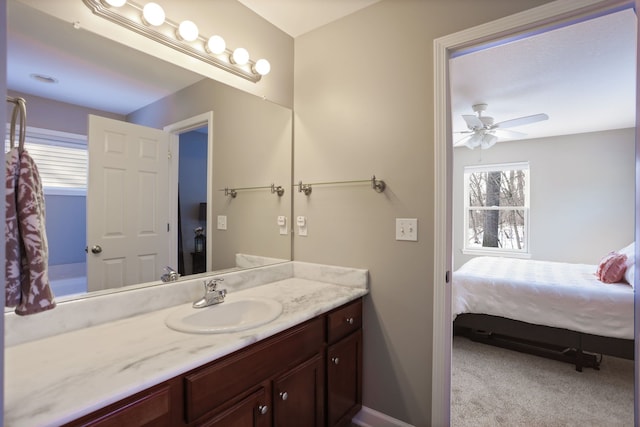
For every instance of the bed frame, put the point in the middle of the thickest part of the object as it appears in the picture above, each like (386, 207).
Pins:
(560, 344)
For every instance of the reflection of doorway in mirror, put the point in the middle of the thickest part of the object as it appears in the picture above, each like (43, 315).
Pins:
(192, 172)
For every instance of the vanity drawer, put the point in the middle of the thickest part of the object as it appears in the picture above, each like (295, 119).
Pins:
(344, 320)
(207, 389)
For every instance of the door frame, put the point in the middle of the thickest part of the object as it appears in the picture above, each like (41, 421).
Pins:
(523, 24)
(175, 129)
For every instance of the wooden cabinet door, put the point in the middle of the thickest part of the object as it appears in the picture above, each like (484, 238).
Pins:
(146, 409)
(344, 379)
(298, 396)
(252, 411)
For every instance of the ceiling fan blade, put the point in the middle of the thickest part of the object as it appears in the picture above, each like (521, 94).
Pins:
(473, 122)
(462, 142)
(520, 121)
(508, 134)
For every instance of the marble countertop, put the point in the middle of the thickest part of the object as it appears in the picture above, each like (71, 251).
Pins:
(59, 378)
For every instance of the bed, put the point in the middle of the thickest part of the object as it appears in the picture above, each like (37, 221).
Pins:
(553, 309)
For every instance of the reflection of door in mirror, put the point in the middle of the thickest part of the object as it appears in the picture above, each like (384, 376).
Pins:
(127, 204)
(192, 201)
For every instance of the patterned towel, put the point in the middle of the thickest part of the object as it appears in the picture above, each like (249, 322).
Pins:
(27, 256)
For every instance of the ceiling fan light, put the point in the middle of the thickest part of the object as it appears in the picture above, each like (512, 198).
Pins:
(153, 14)
(488, 140)
(474, 141)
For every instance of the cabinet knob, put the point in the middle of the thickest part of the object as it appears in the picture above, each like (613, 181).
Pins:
(284, 395)
(335, 360)
(349, 320)
(263, 409)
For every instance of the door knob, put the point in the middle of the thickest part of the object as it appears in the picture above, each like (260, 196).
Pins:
(284, 395)
(263, 409)
(96, 249)
(335, 360)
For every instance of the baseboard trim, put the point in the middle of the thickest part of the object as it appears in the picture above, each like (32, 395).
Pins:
(368, 417)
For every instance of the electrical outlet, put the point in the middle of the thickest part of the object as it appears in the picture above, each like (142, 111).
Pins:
(302, 225)
(407, 229)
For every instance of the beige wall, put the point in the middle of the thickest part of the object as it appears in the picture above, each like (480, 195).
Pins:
(48, 114)
(363, 105)
(582, 193)
(251, 148)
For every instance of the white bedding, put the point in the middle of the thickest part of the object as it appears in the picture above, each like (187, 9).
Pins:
(545, 293)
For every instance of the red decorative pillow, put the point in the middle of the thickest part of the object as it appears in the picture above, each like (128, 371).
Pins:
(612, 267)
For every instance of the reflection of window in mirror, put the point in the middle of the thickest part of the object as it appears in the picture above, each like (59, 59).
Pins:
(62, 162)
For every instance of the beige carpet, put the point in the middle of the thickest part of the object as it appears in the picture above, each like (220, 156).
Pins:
(498, 387)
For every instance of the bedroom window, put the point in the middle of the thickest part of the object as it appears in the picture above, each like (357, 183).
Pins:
(497, 209)
(61, 157)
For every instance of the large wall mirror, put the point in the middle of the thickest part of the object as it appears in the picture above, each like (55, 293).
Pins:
(232, 140)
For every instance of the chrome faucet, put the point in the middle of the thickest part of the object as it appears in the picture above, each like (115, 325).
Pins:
(211, 294)
(170, 276)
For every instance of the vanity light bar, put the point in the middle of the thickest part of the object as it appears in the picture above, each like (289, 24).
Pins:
(167, 32)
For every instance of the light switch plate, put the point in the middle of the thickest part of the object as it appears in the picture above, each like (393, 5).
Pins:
(282, 223)
(407, 229)
(222, 222)
(302, 225)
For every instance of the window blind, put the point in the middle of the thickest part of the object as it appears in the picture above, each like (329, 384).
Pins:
(62, 159)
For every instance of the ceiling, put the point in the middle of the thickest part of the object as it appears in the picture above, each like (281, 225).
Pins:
(582, 76)
(296, 17)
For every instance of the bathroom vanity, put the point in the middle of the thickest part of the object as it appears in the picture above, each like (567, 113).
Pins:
(303, 368)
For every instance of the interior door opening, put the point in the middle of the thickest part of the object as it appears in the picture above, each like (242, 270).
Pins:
(190, 178)
(544, 17)
(192, 201)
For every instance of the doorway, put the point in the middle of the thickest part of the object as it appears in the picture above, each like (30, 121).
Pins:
(192, 201)
(198, 129)
(548, 16)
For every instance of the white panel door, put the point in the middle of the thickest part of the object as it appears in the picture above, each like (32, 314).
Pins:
(127, 204)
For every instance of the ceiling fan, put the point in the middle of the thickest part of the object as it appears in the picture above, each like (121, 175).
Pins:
(484, 133)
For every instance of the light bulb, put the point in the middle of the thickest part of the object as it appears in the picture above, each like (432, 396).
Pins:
(115, 3)
(262, 67)
(489, 140)
(153, 14)
(240, 56)
(474, 141)
(216, 45)
(188, 31)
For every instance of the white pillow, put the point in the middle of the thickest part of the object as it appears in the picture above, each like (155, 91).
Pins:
(630, 252)
(629, 275)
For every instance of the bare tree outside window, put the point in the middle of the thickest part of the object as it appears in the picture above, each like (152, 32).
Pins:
(497, 206)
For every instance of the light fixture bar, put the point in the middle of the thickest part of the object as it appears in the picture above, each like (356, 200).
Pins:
(130, 16)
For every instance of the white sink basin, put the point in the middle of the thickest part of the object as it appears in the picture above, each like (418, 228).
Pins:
(232, 315)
